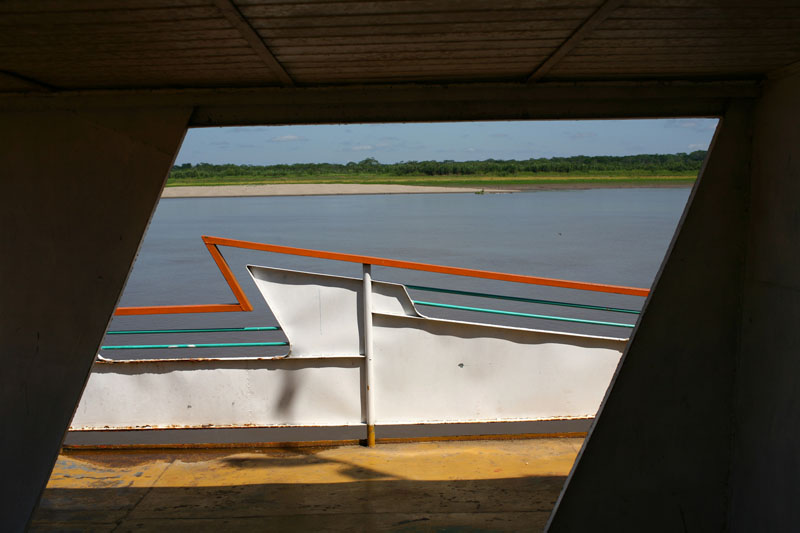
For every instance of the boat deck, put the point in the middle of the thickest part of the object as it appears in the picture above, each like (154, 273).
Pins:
(497, 485)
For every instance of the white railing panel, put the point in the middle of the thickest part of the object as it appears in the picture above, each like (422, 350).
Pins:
(429, 370)
(222, 393)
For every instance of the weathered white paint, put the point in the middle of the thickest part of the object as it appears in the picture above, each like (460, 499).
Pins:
(431, 370)
(320, 315)
(221, 393)
(425, 370)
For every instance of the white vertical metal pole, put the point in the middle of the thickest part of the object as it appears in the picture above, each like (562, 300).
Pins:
(368, 369)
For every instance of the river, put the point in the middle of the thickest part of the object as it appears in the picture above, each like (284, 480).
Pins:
(614, 236)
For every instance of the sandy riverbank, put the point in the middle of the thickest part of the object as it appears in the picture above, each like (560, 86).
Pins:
(322, 189)
(311, 189)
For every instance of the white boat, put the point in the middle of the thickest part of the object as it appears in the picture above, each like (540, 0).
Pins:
(360, 356)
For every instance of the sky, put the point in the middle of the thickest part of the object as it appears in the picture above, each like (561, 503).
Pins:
(459, 141)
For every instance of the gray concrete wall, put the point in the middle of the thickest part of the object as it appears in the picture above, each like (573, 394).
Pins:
(658, 456)
(78, 190)
(766, 462)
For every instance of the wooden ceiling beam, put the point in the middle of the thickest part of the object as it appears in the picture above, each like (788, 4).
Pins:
(411, 102)
(573, 40)
(252, 37)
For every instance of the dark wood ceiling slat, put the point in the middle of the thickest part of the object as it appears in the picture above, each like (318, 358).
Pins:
(101, 64)
(410, 69)
(708, 3)
(710, 64)
(166, 71)
(722, 13)
(734, 69)
(90, 46)
(299, 51)
(430, 38)
(460, 77)
(26, 37)
(381, 21)
(306, 9)
(159, 79)
(369, 58)
(109, 16)
(609, 56)
(689, 33)
(665, 76)
(686, 55)
(699, 24)
(162, 47)
(61, 6)
(208, 79)
(492, 74)
(67, 55)
(119, 29)
(749, 41)
(454, 29)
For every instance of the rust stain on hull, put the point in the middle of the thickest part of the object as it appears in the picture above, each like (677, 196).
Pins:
(72, 448)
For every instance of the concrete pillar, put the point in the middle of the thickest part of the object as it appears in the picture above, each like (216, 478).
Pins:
(766, 458)
(78, 190)
(658, 457)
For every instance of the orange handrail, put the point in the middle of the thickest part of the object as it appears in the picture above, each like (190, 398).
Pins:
(440, 269)
(243, 304)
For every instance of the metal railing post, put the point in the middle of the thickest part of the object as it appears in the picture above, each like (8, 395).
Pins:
(368, 364)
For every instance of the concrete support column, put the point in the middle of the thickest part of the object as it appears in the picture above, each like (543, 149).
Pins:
(766, 459)
(78, 190)
(658, 455)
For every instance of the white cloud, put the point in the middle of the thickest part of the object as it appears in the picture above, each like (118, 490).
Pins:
(697, 146)
(362, 147)
(287, 138)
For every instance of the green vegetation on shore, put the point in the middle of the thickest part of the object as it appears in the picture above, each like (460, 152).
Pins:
(646, 168)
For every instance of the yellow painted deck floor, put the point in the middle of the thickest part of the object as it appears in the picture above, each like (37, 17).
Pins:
(464, 486)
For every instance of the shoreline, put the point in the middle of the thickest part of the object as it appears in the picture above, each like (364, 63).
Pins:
(336, 189)
(311, 189)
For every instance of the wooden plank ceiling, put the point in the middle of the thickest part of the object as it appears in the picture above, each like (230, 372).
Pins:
(97, 44)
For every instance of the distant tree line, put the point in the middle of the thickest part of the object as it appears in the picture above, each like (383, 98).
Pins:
(644, 164)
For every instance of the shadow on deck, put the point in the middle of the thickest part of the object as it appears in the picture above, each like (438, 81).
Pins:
(444, 486)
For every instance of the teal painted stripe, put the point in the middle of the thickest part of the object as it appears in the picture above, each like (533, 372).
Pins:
(526, 300)
(203, 330)
(214, 345)
(527, 315)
